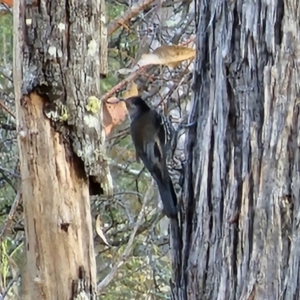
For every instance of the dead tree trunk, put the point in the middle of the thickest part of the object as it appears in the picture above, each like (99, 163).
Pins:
(57, 68)
(241, 225)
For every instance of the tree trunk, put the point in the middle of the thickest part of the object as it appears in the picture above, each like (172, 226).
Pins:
(56, 76)
(241, 233)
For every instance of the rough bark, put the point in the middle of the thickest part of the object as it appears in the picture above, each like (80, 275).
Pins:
(60, 136)
(241, 225)
(103, 40)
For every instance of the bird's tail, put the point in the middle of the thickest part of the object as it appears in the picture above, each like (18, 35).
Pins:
(168, 198)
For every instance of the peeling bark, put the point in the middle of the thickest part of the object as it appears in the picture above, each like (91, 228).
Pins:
(241, 233)
(58, 47)
(61, 142)
(56, 208)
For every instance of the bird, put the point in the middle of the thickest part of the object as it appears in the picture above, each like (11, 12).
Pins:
(152, 135)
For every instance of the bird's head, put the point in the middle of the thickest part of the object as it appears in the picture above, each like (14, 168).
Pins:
(136, 105)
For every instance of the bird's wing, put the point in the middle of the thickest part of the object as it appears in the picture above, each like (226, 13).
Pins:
(150, 149)
(153, 159)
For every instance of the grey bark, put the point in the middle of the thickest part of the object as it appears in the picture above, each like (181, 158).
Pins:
(61, 142)
(241, 198)
(64, 53)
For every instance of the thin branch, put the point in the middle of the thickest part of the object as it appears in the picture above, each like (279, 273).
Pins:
(127, 170)
(12, 173)
(154, 219)
(129, 246)
(120, 85)
(9, 286)
(131, 13)
(6, 108)
(6, 76)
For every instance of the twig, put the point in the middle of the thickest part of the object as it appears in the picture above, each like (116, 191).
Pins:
(130, 78)
(12, 173)
(117, 87)
(127, 170)
(5, 8)
(132, 12)
(7, 109)
(128, 248)
(154, 220)
(10, 284)
(176, 86)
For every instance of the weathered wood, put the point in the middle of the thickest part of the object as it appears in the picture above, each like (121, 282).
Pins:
(61, 60)
(56, 75)
(103, 40)
(241, 233)
(56, 207)
(81, 287)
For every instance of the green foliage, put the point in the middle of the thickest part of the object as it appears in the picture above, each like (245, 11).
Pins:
(6, 39)
(10, 251)
(114, 10)
(137, 280)
(8, 146)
